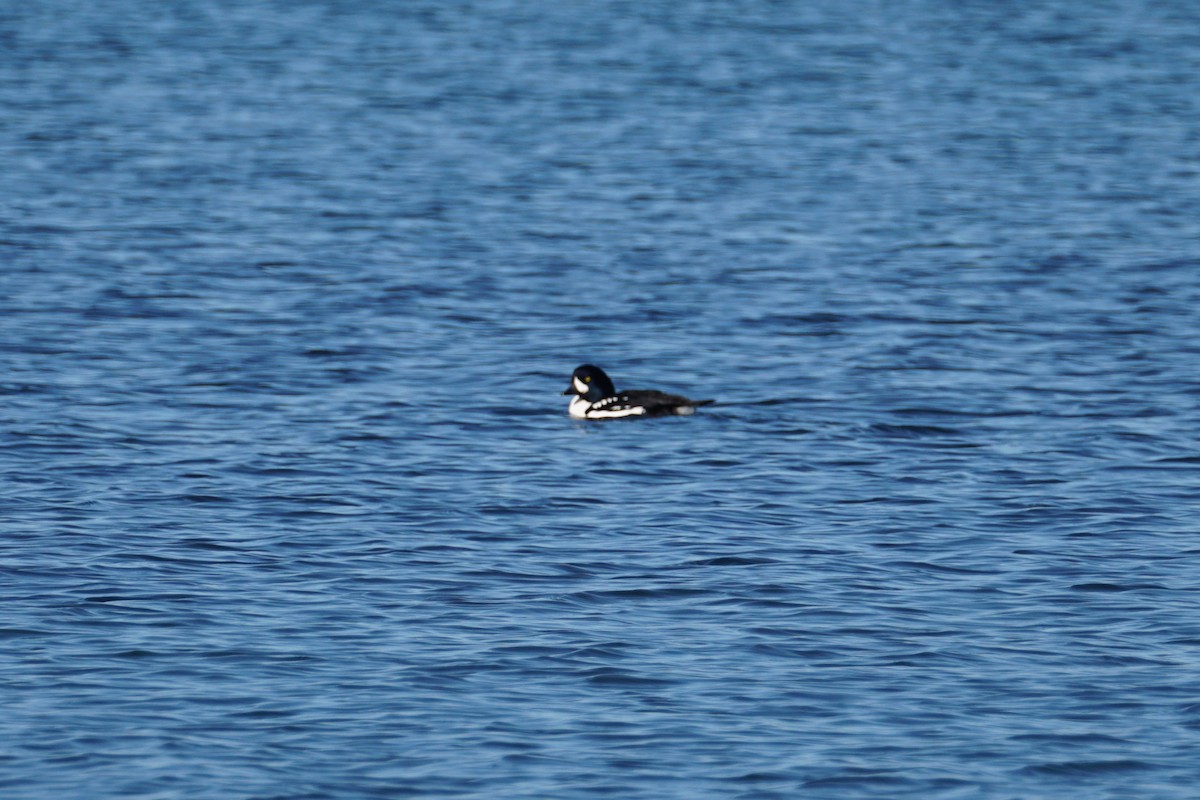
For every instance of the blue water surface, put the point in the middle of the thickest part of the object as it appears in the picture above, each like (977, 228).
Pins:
(290, 504)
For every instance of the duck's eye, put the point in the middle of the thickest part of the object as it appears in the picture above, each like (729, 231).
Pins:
(588, 379)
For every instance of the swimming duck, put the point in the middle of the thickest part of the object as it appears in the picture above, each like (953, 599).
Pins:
(597, 398)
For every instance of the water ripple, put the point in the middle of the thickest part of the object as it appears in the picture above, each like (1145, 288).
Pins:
(291, 504)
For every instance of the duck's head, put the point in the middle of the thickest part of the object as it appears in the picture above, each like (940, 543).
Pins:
(590, 383)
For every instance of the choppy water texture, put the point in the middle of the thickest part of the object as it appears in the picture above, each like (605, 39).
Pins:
(292, 507)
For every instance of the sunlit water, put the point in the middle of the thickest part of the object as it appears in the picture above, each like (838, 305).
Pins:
(292, 507)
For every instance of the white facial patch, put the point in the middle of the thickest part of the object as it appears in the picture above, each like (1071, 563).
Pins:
(580, 386)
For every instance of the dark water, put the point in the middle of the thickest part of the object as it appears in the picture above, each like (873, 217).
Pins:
(292, 507)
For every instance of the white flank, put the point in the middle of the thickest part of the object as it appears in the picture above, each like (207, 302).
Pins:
(624, 412)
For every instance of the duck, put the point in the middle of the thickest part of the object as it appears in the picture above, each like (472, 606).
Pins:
(595, 397)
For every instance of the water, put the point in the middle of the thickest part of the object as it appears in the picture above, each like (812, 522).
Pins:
(292, 507)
